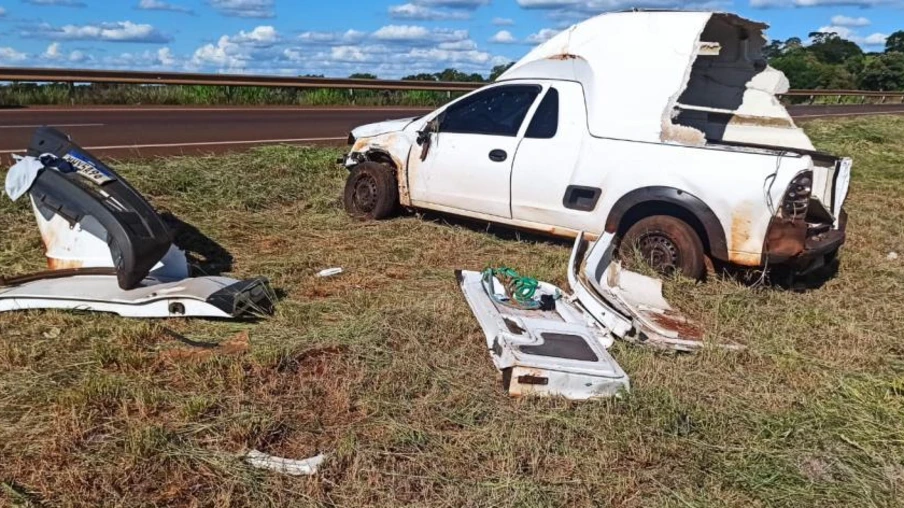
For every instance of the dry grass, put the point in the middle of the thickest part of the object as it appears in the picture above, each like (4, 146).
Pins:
(384, 367)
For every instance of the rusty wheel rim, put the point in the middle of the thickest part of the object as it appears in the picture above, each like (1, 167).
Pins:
(366, 194)
(660, 252)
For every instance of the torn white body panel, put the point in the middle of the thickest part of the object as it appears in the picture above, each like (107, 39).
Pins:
(207, 297)
(708, 63)
(559, 352)
(632, 302)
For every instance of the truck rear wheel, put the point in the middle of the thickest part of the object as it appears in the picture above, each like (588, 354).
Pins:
(371, 192)
(667, 244)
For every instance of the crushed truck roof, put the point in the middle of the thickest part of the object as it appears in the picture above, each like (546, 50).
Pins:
(670, 76)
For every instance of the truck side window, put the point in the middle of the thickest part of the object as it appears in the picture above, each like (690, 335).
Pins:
(545, 123)
(499, 111)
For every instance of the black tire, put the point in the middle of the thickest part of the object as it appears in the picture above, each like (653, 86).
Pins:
(667, 244)
(371, 192)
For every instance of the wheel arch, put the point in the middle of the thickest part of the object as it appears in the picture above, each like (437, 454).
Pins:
(648, 201)
(381, 157)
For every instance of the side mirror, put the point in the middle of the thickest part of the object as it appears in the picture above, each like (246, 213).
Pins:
(432, 126)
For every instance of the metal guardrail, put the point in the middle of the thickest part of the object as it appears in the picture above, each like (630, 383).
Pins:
(19, 74)
(840, 95)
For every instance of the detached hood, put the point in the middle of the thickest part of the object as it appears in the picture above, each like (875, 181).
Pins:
(375, 129)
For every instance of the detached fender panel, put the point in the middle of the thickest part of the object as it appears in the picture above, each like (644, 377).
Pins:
(715, 233)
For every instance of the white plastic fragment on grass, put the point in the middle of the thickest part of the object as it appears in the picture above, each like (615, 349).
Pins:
(306, 467)
(330, 272)
(892, 256)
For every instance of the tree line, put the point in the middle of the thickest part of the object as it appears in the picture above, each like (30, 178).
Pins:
(833, 62)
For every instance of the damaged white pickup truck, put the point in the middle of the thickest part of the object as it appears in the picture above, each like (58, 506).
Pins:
(662, 129)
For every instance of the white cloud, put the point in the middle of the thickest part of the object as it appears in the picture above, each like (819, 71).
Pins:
(79, 57)
(237, 51)
(418, 34)
(264, 36)
(503, 37)
(120, 31)
(245, 8)
(850, 21)
(421, 12)
(165, 57)
(503, 21)
(332, 38)
(160, 5)
(876, 39)
(55, 54)
(53, 51)
(401, 33)
(542, 36)
(8, 55)
(2, 12)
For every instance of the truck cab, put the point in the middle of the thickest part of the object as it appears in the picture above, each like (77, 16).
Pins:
(661, 128)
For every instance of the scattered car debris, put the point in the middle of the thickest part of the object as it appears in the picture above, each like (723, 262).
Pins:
(683, 149)
(330, 272)
(306, 467)
(551, 349)
(548, 342)
(107, 249)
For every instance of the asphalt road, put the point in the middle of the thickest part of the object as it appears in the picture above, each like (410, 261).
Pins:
(146, 131)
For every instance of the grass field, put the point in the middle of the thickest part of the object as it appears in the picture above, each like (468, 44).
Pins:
(385, 368)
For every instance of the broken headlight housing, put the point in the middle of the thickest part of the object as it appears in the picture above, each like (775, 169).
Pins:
(797, 198)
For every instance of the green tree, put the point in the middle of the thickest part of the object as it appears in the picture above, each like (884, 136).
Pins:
(420, 77)
(883, 72)
(774, 49)
(499, 70)
(456, 75)
(895, 42)
(829, 48)
(363, 75)
(802, 68)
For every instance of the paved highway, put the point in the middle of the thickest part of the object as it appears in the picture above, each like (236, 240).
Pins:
(144, 131)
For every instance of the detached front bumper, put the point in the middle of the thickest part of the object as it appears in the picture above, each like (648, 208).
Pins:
(801, 247)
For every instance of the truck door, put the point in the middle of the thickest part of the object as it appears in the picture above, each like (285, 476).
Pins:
(468, 165)
(547, 184)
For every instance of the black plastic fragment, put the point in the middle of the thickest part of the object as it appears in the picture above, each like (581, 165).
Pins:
(561, 345)
(246, 298)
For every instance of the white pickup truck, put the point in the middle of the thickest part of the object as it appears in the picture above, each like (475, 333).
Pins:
(661, 128)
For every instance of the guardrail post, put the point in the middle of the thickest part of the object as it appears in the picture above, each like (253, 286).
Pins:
(71, 91)
(351, 93)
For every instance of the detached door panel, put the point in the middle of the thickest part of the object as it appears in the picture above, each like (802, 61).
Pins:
(469, 162)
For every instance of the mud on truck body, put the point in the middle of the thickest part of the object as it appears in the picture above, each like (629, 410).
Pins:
(662, 128)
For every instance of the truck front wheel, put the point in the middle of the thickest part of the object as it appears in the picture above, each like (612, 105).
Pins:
(371, 192)
(667, 244)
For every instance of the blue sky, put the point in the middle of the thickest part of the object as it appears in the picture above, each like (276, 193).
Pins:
(390, 38)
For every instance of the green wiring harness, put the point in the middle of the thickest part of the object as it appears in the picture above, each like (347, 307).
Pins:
(521, 289)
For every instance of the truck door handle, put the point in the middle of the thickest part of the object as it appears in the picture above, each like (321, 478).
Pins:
(498, 156)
